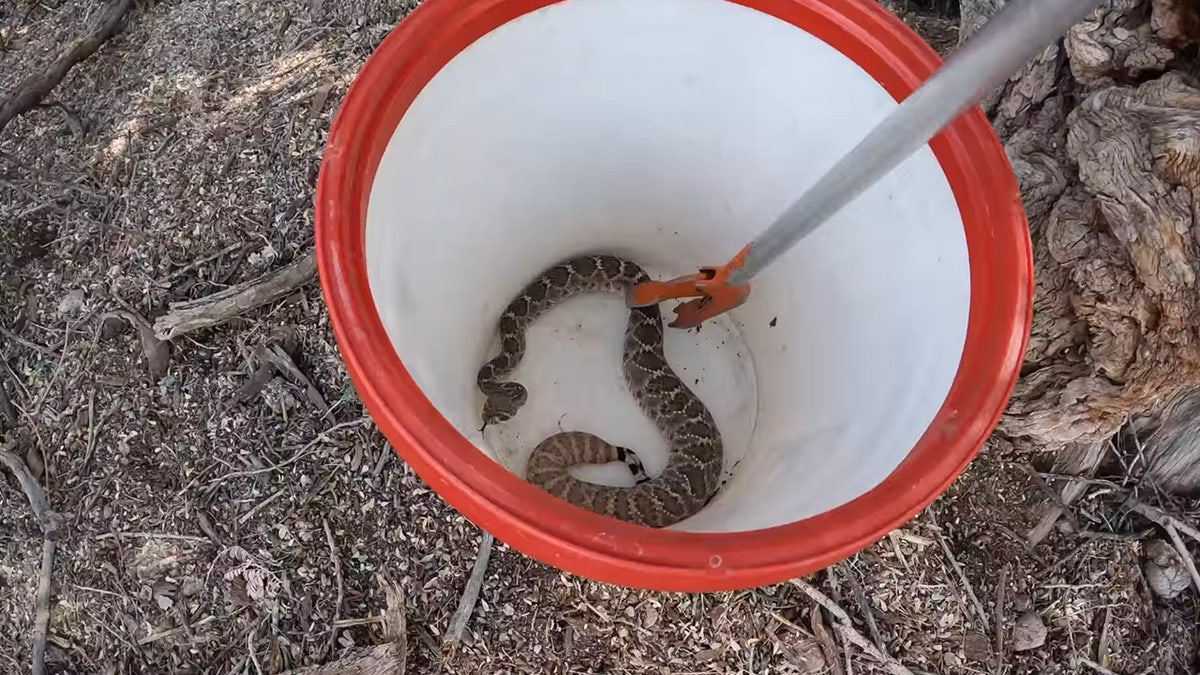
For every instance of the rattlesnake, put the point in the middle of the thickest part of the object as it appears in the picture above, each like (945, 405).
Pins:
(694, 444)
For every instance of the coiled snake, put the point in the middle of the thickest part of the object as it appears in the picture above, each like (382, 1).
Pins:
(693, 469)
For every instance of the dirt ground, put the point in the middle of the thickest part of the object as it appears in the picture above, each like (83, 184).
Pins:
(220, 523)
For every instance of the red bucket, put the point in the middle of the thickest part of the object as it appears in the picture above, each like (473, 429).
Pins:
(486, 139)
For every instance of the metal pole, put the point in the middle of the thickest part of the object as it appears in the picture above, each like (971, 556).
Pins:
(1003, 45)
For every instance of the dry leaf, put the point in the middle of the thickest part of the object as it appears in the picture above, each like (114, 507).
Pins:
(651, 618)
(33, 459)
(977, 647)
(1165, 573)
(1029, 632)
(158, 353)
(825, 638)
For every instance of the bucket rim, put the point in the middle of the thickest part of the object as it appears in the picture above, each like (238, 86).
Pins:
(583, 543)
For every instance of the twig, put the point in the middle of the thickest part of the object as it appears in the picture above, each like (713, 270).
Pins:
(1102, 643)
(384, 659)
(259, 507)
(351, 623)
(7, 411)
(32, 345)
(1094, 666)
(300, 454)
(215, 309)
(277, 357)
(50, 522)
(466, 604)
(958, 570)
(197, 263)
(337, 573)
(250, 650)
(30, 92)
(52, 528)
(1161, 518)
(151, 535)
(1001, 588)
(172, 632)
(864, 606)
(41, 624)
(1053, 495)
(846, 628)
(1115, 536)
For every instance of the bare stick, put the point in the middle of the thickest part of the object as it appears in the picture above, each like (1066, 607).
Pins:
(1102, 644)
(41, 622)
(30, 92)
(958, 570)
(279, 358)
(151, 535)
(1161, 518)
(172, 632)
(846, 628)
(50, 522)
(259, 507)
(7, 412)
(1001, 588)
(466, 604)
(42, 349)
(337, 571)
(197, 263)
(864, 606)
(1053, 495)
(1094, 666)
(215, 309)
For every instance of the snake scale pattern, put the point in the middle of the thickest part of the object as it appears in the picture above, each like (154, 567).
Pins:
(693, 469)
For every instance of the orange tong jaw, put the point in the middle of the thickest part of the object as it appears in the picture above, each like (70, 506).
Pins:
(710, 288)
(653, 292)
(715, 301)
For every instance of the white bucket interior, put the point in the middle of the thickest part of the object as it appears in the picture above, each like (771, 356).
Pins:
(672, 131)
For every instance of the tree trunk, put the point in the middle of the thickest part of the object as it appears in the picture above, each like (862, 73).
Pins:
(1103, 131)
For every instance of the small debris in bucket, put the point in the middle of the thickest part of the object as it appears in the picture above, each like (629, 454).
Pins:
(774, 321)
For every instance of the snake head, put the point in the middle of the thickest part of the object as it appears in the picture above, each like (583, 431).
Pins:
(501, 406)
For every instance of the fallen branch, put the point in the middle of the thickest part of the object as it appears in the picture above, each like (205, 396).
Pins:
(52, 528)
(41, 621)
(50, 522)
(30, 92)
(466, 605)
(846, 628)
(215, 309)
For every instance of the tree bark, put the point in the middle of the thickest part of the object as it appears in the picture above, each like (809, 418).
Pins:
(1103, 131)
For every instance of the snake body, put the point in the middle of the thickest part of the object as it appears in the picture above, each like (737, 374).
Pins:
(693, 469)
